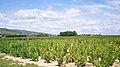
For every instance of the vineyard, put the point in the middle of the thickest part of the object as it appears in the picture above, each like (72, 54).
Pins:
(100, 51)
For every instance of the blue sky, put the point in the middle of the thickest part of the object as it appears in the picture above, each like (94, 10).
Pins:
(53, 16)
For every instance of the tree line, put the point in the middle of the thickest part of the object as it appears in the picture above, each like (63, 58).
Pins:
(68, 33)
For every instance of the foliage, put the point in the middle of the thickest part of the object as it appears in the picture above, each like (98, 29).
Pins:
(68, 33)
(100, 51)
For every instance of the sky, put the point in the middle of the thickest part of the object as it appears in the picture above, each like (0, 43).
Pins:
(54, 16)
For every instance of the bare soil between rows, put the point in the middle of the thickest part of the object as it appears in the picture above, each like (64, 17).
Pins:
(42, 62)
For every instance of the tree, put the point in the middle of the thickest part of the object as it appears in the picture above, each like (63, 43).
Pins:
(68, 33)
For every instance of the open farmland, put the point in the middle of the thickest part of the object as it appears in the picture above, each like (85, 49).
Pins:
(101, 51)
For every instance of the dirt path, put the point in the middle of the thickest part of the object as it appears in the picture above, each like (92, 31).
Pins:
(42, 63)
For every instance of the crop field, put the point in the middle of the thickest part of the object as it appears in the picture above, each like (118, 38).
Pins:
(101, 51)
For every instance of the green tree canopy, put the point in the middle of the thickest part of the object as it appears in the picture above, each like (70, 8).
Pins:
(68, 33)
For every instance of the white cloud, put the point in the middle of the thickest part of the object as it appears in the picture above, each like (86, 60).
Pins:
(114, 3)
(95, 8)
(2, 16)
(72, 12)
(50, 21)
(32, 19)
(50, 7)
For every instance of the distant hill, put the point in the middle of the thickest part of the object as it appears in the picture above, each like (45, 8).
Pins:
(26, 32)
(18, 32)
(8, 31)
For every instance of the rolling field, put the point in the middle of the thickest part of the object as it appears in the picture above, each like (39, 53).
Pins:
(101, 51)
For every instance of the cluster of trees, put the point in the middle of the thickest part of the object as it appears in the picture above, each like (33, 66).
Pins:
(22, 35)
(68, 33)
(6, 35)
(38, 35)
(91, 34)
